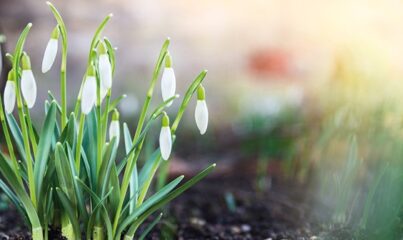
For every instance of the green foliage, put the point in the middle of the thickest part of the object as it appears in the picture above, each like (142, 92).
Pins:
(68, 173)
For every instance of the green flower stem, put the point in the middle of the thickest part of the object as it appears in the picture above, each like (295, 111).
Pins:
(67, 228)
(98, 233)
(63, 34)
(16, 67)
(188, 95)
(30, 170)
(79, 143)
(106, 115)
(9, 143)
(99, 125)
(31, 130)
(78, 102)
(133, 157)
(37, 233)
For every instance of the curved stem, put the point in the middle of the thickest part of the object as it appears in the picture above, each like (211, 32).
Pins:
(16, 67)
(132, 159)
(79, 143)
(31, 130)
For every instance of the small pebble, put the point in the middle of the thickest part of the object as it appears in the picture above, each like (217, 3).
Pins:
(197, 222)
(235, 230)
(245, 228)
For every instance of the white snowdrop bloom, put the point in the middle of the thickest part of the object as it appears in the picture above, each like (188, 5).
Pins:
(168, 80)
(114, 128)
(9, 93)
(28, 84)
(105, 68)
(165, 139)
(89, 93)
(201, 111)
(104, 91)
(50, 51)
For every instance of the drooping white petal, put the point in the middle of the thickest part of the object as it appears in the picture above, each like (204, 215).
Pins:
(104, 91)
(9, 96)
(165, 142)
(201, 116)
(89, 94)
(105, 71)
(49, 55)
(168, 84)
(114, 130)
(28, 87)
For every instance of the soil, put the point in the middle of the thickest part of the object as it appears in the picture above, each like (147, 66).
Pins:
(282, 212)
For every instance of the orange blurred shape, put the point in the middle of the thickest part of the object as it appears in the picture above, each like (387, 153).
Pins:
(270, 62)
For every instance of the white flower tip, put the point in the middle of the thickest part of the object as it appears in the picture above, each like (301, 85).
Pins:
(48, 3)
(201, 116)
(168, 39)
(110, 14)
(124, 96)
(29, 25)
(177, 95)
(49, 55)
(28, 87)
(88, 95)
(165, 141)
(205, 71)
(9, 97)
(115, 48)
(214, 164)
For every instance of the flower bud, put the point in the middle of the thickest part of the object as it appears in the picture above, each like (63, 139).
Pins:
(168, 80)
(89, 93)
(114, 128)
(50, 51)
(165, 139)
(105, 68)
(28, 84)
(201, 111)
(9, 93)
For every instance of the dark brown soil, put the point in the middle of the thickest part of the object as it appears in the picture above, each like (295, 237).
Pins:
(282, 212)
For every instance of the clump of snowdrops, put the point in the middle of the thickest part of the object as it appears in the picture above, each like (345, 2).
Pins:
(67, 174)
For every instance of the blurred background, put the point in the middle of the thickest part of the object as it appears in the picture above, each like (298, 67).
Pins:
(307, 91)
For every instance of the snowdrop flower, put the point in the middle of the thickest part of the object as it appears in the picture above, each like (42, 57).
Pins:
(114, 129)
(165, 138)
(104, 91)
(50, 51)
(9, 93)
(201, 111)
(89, 93)
(28, 84)
(168, 80)
(105, 68)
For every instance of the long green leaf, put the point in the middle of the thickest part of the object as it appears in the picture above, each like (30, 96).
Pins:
(22, 195)
(149, 203)
(150, 227)
(106, 167)
(168, 198)
(69, 209)
(44, 146)
(17, 135)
